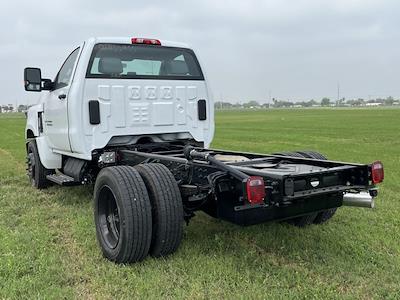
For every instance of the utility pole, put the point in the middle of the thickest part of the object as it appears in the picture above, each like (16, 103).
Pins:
(220, 105)
(338, 94)
(269, 98)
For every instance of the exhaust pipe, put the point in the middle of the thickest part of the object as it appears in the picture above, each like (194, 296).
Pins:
(362, 199)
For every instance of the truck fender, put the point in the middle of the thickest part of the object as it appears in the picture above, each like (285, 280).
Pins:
(30, 132)
(32, 121)
(49, 159)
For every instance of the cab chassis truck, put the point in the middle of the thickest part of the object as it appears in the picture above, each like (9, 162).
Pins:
(135, 116)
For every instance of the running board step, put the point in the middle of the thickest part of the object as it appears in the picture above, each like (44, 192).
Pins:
(62, 179)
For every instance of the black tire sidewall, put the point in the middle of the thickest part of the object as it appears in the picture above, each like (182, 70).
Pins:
(106, 179)
(39, 176)
(32, 149)
(134, 209)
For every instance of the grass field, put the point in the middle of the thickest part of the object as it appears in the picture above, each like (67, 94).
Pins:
(48, 247)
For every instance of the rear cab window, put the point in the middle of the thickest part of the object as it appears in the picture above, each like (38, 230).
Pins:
(124, 61)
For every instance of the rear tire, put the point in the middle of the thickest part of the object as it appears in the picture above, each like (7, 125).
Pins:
(292, 154)
(122, 214)
(325, 215)
(316, 218)
(303, 220)
(312, 154)
(167, 208)
(36, 171)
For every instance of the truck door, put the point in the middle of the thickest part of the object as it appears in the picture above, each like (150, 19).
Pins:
(56, 106)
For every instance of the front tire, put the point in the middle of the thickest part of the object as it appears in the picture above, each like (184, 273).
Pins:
(122, 214)
(36, 171)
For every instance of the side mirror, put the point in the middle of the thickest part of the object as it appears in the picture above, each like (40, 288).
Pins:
(33, 80)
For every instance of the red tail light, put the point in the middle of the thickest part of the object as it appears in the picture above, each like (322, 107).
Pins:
(377, 172)
(145, 41)
(255, 189)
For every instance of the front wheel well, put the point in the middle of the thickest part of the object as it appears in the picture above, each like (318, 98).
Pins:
(30, 134)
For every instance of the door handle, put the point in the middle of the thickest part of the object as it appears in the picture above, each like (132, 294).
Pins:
(62, 96)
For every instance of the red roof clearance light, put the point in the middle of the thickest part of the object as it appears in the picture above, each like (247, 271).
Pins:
(146, 41)
(255, 190)
(377, 172)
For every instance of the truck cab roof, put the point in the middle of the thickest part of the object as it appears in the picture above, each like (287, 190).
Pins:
(128, 40)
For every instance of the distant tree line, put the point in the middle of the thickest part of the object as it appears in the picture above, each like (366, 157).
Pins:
(10, 108)
(325, 102)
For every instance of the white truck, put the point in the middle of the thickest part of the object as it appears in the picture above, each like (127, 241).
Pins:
(135, 117)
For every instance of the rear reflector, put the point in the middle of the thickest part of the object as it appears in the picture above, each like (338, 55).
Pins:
(145, 41)
(255, 189)
(377, 172)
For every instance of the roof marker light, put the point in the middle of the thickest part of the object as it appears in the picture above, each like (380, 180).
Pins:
(145, 41)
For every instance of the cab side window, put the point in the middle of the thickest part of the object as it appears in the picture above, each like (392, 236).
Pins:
(64, 75)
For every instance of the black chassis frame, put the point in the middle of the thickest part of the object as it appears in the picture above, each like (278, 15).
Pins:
(217, 188)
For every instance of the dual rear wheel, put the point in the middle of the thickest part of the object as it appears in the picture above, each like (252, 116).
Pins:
(138, 211)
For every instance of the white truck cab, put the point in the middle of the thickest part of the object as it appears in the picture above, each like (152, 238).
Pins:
(119, 91)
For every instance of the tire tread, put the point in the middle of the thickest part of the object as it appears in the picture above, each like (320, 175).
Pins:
(41, 172)
(167, 208)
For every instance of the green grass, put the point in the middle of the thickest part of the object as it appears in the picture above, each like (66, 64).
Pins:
(48, 246)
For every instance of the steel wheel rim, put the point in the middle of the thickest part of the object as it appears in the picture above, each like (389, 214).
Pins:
(109, 221)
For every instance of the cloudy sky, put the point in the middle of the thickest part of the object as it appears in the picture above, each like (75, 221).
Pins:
(291, 49)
